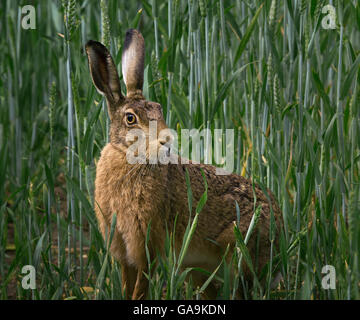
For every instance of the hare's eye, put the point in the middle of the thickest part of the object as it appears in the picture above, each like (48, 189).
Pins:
(130, 118)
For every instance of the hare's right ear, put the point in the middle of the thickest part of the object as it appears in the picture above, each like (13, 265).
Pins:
(132, 62)
(104, 74)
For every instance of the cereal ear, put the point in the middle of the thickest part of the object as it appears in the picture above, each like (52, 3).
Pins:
(133, 62)
(104, 74)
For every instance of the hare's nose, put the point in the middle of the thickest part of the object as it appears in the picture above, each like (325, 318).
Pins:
(166, 140)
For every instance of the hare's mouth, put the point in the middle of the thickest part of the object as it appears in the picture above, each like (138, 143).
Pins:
(164, 151)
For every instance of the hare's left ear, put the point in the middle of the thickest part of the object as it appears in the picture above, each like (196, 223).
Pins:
(132, 62)
(104, 74)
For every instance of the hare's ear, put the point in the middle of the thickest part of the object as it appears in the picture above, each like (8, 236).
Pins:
(104, 74)
(132, 61)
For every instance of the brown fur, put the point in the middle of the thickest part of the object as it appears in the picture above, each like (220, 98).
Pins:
(141, 194)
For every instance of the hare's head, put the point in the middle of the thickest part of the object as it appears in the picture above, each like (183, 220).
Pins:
(130, 111)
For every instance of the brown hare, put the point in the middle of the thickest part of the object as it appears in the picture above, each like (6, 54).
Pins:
(140, 193)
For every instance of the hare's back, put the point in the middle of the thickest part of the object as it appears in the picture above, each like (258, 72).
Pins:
(224, 191)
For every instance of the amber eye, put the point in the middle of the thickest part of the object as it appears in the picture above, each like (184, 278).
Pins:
(130, 118)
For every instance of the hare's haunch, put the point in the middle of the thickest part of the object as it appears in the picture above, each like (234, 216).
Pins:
(156, 193)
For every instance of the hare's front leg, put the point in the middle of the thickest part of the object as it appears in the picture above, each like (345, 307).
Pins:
(128, 272)
(141, 285)
(128, 278)
(136, 256)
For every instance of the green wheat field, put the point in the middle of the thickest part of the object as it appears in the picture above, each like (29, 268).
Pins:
(272, 70)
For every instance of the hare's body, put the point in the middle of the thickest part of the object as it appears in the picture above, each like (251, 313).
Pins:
(141, 194)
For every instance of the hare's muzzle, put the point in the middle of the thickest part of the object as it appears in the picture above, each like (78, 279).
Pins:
(165, 142)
